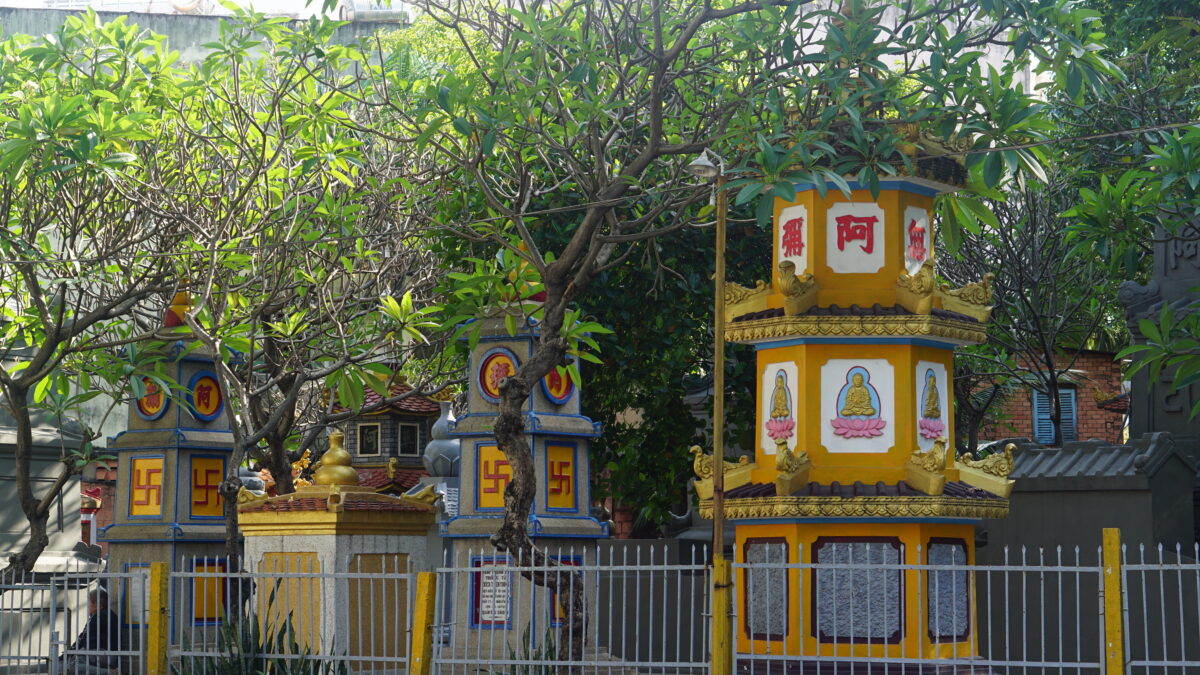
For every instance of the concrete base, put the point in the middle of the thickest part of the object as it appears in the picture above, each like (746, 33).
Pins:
(495, 613)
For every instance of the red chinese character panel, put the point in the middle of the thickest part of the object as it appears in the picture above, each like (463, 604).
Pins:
(855, 239)
(793, 236)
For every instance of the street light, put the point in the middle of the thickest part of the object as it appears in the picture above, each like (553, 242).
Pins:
(703, 167)
(722, 659)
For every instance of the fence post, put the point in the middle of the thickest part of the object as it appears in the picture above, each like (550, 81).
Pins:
(421, 654)
(722, 647)
(1114, 618)
(156, 621)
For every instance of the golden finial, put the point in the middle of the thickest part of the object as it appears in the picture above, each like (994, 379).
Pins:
(335, 464)
(180, 305)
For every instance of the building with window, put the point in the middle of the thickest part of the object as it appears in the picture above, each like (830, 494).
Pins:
(1093, 402)
(386, 445)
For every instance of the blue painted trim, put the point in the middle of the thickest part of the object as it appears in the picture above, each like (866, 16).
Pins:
(191, 386)
(476, 577)
(158, 415)
(191, 484)
(575, 475)
(176, 530)
(533, 426)
(900, 185)
(918, 342)
(477, 369)
(161, 488)
(551, 398)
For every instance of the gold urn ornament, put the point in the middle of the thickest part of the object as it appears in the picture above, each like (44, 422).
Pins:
(335, 464)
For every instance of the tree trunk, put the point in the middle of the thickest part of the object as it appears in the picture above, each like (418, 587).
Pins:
(513, 536)
(1055, 410)
(23, 561)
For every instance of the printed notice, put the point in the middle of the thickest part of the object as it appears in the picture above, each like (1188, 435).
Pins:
(492, 592)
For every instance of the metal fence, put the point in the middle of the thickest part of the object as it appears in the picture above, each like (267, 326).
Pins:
(854, 608)
(1162, 609)
(68, 623)
(291, 615)
(644, 613)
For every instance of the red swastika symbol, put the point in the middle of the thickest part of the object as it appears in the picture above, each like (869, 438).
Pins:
(143, 486)
(560, 477)
(499, 478)
(205, 487)
(856, 228)
(793, 237)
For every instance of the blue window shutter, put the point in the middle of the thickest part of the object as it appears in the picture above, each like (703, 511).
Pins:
(1070, 417)
(1043, 428)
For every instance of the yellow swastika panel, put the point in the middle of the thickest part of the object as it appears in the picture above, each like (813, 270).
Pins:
(206, 478)
(560, 477)
(494, 475)
(145, 495)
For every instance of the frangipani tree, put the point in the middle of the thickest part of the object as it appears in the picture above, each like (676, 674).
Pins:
(570, 132)
(80, 114)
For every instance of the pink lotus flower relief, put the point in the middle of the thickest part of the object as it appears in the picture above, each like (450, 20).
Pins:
(931, 428)
(858, 427)
(780, 428)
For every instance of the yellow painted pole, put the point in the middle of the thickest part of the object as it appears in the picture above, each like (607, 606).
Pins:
(421, 654)
(718, 498)
(722, 648)
(1114, 616)
(722, 639)
(156, 628)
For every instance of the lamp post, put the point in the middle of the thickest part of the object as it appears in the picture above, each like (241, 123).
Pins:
(722, 653)
(703, 167)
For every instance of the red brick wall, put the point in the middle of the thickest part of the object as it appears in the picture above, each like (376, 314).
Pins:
(1095, 375)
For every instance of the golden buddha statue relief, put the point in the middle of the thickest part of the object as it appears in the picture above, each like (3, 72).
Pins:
(858, 407)
(931, 425)
(780, 425)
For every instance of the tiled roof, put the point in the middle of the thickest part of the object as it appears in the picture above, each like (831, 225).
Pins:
(955, 489)
(378, 478)
(415, 404)
(854, 310)
(1096, 464)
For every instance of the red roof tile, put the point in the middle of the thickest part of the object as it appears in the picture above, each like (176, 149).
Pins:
(378, 478)
(415, 404)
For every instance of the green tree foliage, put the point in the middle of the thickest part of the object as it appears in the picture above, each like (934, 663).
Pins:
(79, 112)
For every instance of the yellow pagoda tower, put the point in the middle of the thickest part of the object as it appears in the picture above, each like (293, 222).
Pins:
(853, 462)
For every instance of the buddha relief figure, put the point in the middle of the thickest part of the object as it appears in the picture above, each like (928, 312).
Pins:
(858, 398)
(780, 426)
(933, 406)
(930, 423)
(858, 407)
(781, 406)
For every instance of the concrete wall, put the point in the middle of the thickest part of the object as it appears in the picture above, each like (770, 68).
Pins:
(63, 525)
(185, 33)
